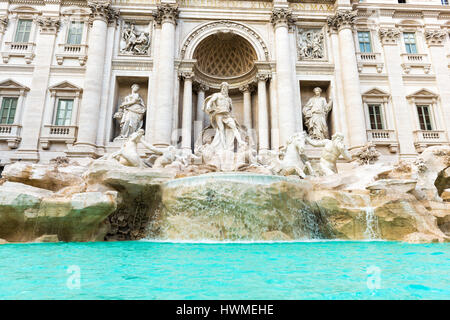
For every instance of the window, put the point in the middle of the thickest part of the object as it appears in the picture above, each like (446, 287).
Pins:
(424, 117)
(401, 1)
(410, 42)
(75, 32)
(444, 2)
(23, 30)
(8, 111)
(64, 112)
(376, 122)
(364, 41)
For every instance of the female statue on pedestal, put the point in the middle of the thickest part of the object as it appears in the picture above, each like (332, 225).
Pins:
(315, 112)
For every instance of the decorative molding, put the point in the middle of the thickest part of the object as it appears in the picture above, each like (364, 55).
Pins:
(3, 23)
(48, 25)
(166, 13)
(435, 37)
(102, 10)
(225, 25)
(281, 17)
(247, 87)
(388, 36)
(343, 19)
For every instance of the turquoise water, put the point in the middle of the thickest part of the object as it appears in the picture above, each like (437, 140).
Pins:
(154, 270)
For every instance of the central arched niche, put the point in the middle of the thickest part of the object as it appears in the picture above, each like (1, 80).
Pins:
(225, 56)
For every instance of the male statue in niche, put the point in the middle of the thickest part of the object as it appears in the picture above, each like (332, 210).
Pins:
(131, 113)
(219, 108)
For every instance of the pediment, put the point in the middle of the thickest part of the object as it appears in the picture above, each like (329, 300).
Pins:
(24, 9)
(375, 92)
(65, 86)
(75, 11)
(12, 85)
(423, 93)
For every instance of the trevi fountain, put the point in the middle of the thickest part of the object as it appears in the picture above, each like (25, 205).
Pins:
(226, 190)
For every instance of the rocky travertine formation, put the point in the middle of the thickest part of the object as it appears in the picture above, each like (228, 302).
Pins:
(108, 201)
(27, 212)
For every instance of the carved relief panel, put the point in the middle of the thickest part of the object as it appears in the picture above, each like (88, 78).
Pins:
(311, 44)
(135, 38)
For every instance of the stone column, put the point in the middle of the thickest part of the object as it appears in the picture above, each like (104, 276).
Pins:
(247, 98)
(435, 40)
(274, 130)
(263, 114)
(186, 134)
(166, 15)
(32, 120)
(402, 111)
(280, 19)
(343, 22)
(101, 14)
(200, 114)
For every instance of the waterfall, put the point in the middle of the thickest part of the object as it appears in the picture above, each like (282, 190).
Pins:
(372, 229)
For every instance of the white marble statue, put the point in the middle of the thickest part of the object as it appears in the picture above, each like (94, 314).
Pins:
(128, 154)
(136, 43)
(131, 113)
(331, 152)
(219, 108)
(315, 114)
(292, 158)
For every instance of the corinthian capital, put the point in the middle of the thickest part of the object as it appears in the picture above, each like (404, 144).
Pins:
(281, 17)
(187, 75)
(48, 24)
(435, 37)
(389, 35)
(262, 76)
(166, 13)
(102, 10)
(342, 19)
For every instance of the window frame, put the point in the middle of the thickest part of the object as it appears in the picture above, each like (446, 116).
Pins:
(70, 22)
(2, 98)
(67, 120)
(369, 34)
(16, 31)
(430, 116)
(408, 45)
(381, 115)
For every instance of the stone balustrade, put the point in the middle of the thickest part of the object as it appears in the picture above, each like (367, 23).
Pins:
(54, 133)
(19, 49)
(383, 137)
(11, 134)
(415, 60)
(72, 51)
(426, 138)
(369, 59)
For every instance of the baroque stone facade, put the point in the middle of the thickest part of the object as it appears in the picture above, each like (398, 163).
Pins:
(67, 66)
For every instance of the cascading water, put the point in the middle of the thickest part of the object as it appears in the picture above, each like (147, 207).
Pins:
(239, 206)
(372, 229)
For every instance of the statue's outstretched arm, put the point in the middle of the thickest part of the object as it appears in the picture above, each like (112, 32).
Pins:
(151, 147)
(346, 154)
